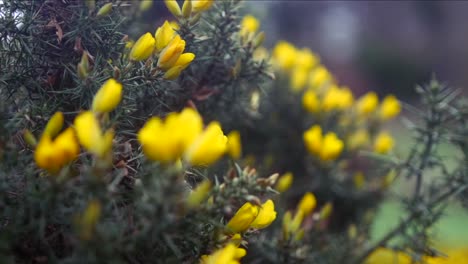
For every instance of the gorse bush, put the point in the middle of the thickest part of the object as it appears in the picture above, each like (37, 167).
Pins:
(196, 144)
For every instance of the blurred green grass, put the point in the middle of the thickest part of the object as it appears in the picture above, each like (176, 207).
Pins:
(452, 230)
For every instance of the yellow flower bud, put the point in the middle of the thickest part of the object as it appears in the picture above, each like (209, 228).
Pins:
(383, 143)
(284, 55)
(104, 10)
(337, 99)
(90, 135)
(171, 53)
(367, 104)
(173, 7)
(287, 220)
(299, 78)
(88, 220)
(199, 194)
(145, 5)
(284, 182)
(310, 101)
(241, 221)
(187, 8)
(54, 125)
(331, 148)
(163, 35)
(358, 139)
(143, 48)
(184, 60)
(83, 66)
(208, 147)
(249, 25)
(326, 211)
(389, 108)
(234, 146)
(108, 97)
(201, 5)
(307, 204)
(172, 73)
(266, 215)
(29, 137)
(296, 222)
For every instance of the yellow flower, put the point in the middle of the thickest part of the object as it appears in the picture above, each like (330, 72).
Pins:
(249, 25)
(52, 155)
(331, 148)
(358, 139)
(234, 146)
(266, 215)
(313, 139)
(306, 59)
(367, 104)
(108, 97)
(389, 108)
(181, 64)
(143, 48)
(91, 136)
(284, 182)
(326, 211)
(171, 53)
(387, 256)
(310, 101)
(199, 194)
(145, 5)
(230, 254)
(104, 10)
(208, 147)
(88, 220)
(201, 5)
(284, 55)
(299, 77)
(241, 221)
(337, 99)
(383, 143)
(173, 7)
(286, 224)
(163, 35)
(307, 204)
(54, 125)
(187, 8)
(319, 77)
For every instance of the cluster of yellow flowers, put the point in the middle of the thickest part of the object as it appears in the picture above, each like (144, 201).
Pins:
(168, 46)
(55, 149)
(181, 136)
(326, 147)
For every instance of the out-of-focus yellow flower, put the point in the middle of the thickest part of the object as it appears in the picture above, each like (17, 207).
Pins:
(143, 48)
(319, 77)
(174, 25)
(52, 155)
(298, 80)
(172, 73)
(313, 139)
(266, 215)
(129, 44)
(359, 180)
(83, 66)
(145, 5)
(249, 25)
(108, 97)
(208, 147)
(331, 148)
(306, 59)
(310, 101)
(241, 221)
(163, 35)
(88, 220)
(234, 146)
(358, 139)
(307, 204)
(230, 254)
(284, 182)
(383, 143)
(171, 53)
(187, 8)
(337, 99)
(327, 147)
(201, 5)
(284, 55)
(91, 136)
(199, 194)
(367, 104)
(387, 256)
(173, 7)
(326, 211)
(287, 219)
(389, 108)
(54, 125)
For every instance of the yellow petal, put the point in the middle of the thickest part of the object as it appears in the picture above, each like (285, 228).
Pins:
(164, 35)
(108, 97)
(307, 203)
(284, 182)
(331, 148)
(143, 48)
(367, 103)
(383, 143)
(171, 53)
(173, 7)
(201, 5)
(234, 144)
(389, 108)
(241, 221)
(184, 60)
(54, 125)
(311, 102)
(313, 139)
(208, 147)
(266, 215)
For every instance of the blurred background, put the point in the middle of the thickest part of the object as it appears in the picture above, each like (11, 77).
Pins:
(384, 46)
